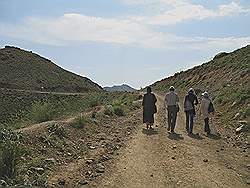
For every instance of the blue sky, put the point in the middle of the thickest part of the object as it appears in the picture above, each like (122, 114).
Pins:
(125, 41)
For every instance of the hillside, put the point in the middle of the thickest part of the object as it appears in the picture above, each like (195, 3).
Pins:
(122, 87)
(20, 69)
(226, 78)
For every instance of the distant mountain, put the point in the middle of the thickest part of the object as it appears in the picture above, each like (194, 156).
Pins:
(122, 87)
(20, 69)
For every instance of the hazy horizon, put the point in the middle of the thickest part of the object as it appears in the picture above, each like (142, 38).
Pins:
(134, 42)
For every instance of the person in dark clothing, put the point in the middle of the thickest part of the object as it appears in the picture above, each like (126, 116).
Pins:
(149, 107)
(189, 108)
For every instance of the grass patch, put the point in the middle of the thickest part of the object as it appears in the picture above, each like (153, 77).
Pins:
(79, 122)
(118, 110)
(42, 111)
(10, 154)
(109, 111)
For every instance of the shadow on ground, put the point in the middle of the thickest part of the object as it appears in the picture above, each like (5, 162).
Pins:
(195, 136)
(214, 136)
(149, 132)
(175, 136)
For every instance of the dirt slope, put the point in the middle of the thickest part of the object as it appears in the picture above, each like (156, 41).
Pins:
(158, 159)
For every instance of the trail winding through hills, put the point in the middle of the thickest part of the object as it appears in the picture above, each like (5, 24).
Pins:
(159, 159)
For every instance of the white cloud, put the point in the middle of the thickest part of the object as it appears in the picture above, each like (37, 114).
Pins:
(77, 28)
(81, 28)
(177, 11)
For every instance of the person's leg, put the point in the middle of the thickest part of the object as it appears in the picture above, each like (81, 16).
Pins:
(187, 121)
(207, 129)
(174, 116)
(191, 117)
(169, 120)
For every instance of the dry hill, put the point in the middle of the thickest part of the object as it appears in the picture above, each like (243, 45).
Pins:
(20, 69)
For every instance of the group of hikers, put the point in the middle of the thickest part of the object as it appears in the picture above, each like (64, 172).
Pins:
(172, 109)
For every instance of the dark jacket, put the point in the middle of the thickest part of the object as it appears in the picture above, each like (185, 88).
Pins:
(148, 103)
(189, 103)
(149, 107)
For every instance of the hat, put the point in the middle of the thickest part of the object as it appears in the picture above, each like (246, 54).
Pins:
(191, 90)
(205, 94)
(171, 88)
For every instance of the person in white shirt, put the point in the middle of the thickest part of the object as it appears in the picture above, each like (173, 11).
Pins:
(172, 106)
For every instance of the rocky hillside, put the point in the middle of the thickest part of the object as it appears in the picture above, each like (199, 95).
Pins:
(226, 78)
(122, 87)
(20, 69)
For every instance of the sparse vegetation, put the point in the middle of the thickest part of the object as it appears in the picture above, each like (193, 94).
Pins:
(10, 153)
(118, 110)
(79, 122)
(108, 110)
(42, 111)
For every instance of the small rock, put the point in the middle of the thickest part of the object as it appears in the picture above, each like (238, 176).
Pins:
(237, 115)
(248, 181)
(240, 129)
(40, 170)
(52, 160)
(3, 183)
(83, 182)
(205, 160)
(173, 158)
(151, 175)
(242, 122)
(61, 181)
(100, 168)
(89, 161)
(92, 147)
(174, 147)
(234, 103)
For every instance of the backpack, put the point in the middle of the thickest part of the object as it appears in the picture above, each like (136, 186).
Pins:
(211, 108)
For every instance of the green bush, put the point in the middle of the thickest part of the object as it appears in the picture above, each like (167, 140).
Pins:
(108, 110)
(42, 111)
(79, 122)
(94, 102)
(9, 157)
(118, 110)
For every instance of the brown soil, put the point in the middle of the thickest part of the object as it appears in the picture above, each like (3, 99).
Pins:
(125, 154)
(159, 159)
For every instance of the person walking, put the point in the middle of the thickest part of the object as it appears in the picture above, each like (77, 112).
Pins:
(205, 109)
(172, 106)
(189, 108)
(149, 108)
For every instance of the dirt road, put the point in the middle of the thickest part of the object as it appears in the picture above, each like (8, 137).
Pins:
(159, 159)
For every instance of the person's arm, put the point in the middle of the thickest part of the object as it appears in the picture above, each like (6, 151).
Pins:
(201, 107)
(177, 99)
(195, 100)
(166, 101)
(155, 99)
(143, 100)
(185, 102)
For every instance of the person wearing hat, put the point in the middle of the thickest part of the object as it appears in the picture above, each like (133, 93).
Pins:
(172, 106)
(204, 109)
(189, 108)
(149, 107)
